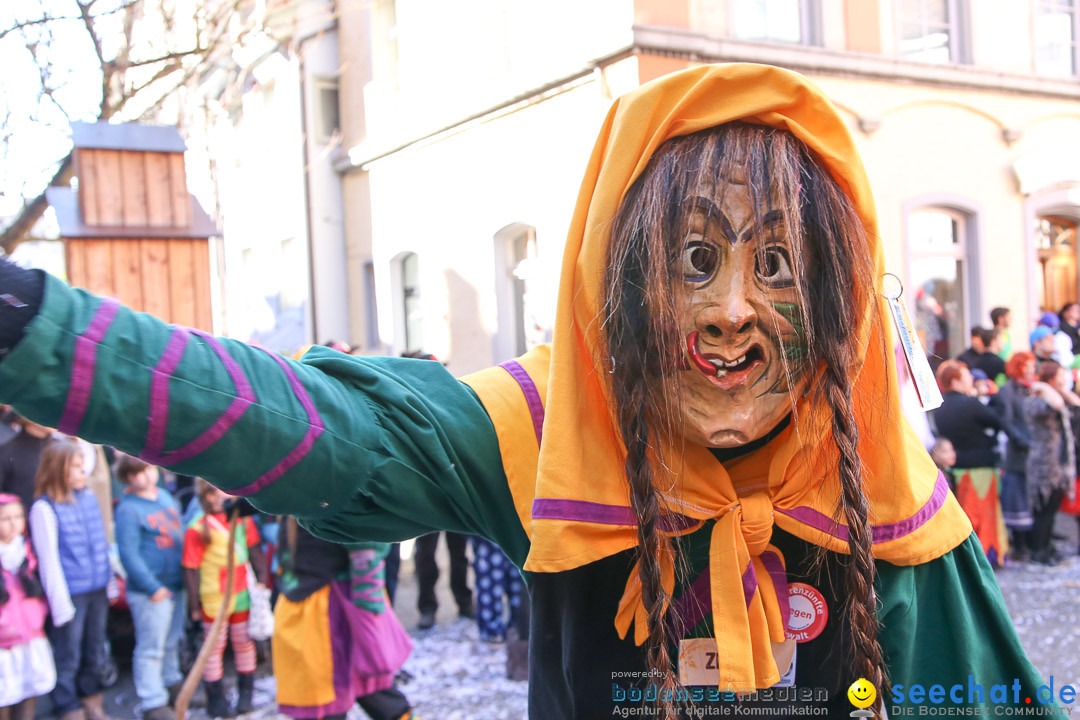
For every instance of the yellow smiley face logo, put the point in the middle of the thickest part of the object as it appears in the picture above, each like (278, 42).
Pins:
(861, 693)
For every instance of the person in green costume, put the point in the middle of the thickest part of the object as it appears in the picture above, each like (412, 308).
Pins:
(708, 452)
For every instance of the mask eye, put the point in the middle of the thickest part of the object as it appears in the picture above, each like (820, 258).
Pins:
(773, 267)
(698, 261)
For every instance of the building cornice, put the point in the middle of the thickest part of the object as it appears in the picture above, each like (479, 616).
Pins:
(700, 47)
(360, 156)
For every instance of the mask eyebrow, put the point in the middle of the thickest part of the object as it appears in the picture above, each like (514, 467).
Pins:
(770, 218)
(712, 214)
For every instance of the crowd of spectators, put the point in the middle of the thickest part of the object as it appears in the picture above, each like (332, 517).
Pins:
(1004, 435)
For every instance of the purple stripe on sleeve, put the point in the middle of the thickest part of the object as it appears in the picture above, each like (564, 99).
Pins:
(243, 388)
(315, 429)
(779, 579)
(159, 393)
(532, 395)
(245, 397)
(881, 533)
(749, 582)
(84, 366)
(202, 443)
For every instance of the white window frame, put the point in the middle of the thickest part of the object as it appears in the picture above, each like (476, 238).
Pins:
(958, 24)
(321, 84)
(810, 28)
(1074, 12)
(398, 292)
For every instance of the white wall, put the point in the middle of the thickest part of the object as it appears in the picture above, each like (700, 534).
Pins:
(329, 292)
(446, 202)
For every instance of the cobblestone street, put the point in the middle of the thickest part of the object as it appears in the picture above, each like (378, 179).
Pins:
(455, 676)
(1045, 607)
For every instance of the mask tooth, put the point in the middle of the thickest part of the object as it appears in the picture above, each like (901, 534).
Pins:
(721, 373)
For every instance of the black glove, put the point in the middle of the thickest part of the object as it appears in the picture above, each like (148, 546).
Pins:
(21, 291)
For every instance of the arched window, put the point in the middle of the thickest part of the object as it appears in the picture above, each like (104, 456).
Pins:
(1055, 247)
(941, 270)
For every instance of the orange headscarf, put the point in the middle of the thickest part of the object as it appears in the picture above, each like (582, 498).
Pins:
(570, 490)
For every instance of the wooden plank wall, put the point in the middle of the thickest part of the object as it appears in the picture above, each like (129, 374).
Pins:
(166, 278)
(123, 188)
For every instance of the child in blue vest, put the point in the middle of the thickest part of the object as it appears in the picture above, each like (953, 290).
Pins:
(69, 539)
(26, 661)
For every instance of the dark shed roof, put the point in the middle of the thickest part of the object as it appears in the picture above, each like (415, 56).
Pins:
(127, 136)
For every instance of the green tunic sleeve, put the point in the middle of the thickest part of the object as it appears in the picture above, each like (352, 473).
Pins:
(356, 448)
(944, 623)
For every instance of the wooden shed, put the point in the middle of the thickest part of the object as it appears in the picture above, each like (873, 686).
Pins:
(132, 230)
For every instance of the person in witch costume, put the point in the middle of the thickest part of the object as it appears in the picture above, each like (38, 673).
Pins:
(706, 477)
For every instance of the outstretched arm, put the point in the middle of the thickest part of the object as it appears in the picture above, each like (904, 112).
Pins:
(357, 448)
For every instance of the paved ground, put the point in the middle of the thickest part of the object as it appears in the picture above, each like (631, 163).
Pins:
(1045, 607)
(457, 677)
(451, 674)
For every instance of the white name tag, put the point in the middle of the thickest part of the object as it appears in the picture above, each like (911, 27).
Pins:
(699, 664)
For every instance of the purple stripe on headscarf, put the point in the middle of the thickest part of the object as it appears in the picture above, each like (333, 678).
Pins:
(880, 533)
(159, 392)
(692, 605)
(582, 511)
(586, 511)
(532, 395)
(749, 582)
(84, 366)
(772, 563)
(245, 397)
(315, 429)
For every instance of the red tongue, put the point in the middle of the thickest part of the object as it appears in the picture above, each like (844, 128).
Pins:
(695, 355)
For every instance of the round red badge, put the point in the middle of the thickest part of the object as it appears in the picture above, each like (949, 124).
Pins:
(809, 613)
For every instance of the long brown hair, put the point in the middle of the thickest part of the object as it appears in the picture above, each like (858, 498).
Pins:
(834, 282)
(51, 480)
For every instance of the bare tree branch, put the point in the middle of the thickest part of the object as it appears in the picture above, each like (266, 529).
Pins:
(30, 23)
(16, 232)
(45, 19)
(163, 58)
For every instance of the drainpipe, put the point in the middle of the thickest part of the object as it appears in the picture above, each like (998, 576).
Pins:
(307, 198)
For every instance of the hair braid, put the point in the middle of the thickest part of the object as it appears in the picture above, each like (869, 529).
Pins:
(832, 263)
(859, 577)
(646, 503)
